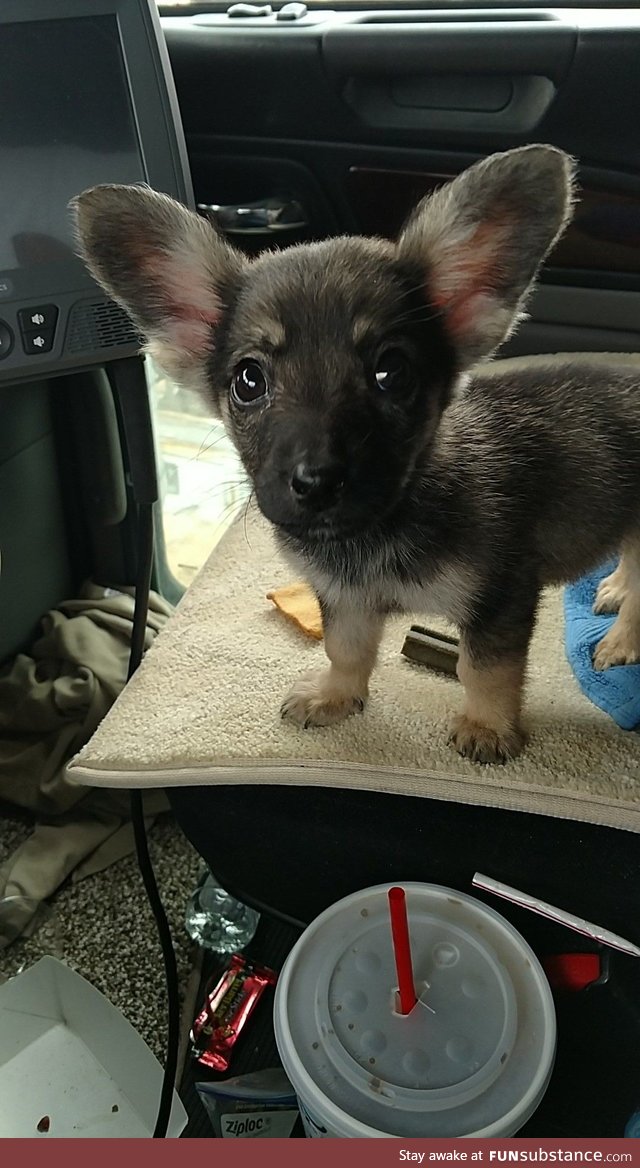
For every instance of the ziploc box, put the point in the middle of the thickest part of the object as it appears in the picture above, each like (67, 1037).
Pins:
(70, 1063)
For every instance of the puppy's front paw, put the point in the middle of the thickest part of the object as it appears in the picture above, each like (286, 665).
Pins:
(618, 647)
(315, 701)
(482, 744)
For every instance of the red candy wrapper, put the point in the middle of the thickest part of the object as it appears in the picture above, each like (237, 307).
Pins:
(227, 1008)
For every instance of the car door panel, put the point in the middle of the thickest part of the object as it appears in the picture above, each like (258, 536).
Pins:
(261, 80)
(356, 115)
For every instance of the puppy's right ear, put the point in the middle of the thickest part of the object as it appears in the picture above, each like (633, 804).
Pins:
(165, 265)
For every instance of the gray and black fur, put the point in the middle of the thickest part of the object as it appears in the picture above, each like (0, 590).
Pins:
(396, 477)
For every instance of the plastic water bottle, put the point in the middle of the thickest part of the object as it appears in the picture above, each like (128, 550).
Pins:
(632, 1130)
(218, 921)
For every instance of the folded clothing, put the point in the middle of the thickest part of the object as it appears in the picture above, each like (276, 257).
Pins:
(615, 690)
(51, 702)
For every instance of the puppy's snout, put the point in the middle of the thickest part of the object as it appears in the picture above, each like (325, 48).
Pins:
(317, 484)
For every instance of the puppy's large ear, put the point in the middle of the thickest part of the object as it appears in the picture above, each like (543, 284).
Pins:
(165, 265)
(481, 239)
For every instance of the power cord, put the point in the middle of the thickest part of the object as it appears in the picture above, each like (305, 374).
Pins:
(129, 384)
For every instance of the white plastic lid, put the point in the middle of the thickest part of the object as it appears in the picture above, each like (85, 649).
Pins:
(473, 1057)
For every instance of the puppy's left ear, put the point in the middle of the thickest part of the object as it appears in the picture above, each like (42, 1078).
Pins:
(481, 239)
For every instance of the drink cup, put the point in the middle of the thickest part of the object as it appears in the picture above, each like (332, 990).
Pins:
(473, 1057)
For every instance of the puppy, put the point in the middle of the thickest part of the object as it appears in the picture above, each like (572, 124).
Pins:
(396, 477)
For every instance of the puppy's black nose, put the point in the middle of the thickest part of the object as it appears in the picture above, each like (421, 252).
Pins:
(317, 485)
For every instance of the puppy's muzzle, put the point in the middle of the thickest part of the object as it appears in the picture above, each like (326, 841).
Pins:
(317, 486)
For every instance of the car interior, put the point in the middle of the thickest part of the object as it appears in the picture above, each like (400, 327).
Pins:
(282, 124)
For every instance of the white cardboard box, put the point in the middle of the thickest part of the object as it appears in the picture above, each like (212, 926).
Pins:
(66, 1053)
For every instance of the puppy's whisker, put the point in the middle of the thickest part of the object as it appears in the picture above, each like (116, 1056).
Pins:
(232, 480)
(244, 521)
(358, 447)
(219, 496)
(206, 447)
(417, 315)
(412, 290)
(228, 513)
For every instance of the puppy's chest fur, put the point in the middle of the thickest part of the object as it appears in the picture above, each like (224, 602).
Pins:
(370, 579)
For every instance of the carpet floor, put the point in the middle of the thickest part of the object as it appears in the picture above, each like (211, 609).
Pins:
(103, 928)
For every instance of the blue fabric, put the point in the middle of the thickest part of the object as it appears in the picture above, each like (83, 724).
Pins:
(615, 690)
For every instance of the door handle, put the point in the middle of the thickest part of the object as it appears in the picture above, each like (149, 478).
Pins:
(263, 217)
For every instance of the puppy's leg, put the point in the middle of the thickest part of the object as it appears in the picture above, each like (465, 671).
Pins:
(489, 729)
(621, 645)
(324, 696)
(491, 666)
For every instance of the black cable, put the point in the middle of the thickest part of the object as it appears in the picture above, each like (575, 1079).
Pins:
(143, 583)
(170, 967)
(130, 386)
(143, 586)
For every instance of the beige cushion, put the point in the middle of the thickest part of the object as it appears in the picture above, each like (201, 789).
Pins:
(204, 709)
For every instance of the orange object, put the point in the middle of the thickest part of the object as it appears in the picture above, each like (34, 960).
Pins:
(299, 604)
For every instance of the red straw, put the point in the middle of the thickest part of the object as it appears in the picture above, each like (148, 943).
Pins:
(402, 949)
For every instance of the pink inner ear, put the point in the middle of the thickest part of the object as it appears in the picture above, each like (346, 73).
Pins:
(470, 314)
(466, 278)
(194, 334)
(189, 304)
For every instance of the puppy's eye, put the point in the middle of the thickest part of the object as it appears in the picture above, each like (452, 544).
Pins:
(249, 384)
(393, 371)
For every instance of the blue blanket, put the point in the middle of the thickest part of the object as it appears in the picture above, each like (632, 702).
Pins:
(616, 690)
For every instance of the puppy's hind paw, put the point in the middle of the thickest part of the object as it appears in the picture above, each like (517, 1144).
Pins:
(315, 701)
(618, 647)
(481, 743)
(610, 594)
